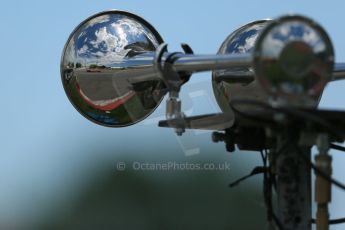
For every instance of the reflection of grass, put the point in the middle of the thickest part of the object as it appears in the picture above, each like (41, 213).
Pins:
(128, 112)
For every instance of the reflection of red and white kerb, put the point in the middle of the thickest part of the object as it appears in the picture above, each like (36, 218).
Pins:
(106, 105)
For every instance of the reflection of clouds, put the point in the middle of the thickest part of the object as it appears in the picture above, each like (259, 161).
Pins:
(83, 50)
(244, 41)
(98, 20)
(291, 31)
(271, 45)
(250, 41)
(106, 38)
(284, 31)
(105, 41)
(314, 39)
(83, 33)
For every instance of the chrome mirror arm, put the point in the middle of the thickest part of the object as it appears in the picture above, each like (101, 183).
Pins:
(338, 72)
(248, 75)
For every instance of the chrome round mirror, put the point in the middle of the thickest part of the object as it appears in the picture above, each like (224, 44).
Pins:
(97, 69)
(241, 40)
(293, 60)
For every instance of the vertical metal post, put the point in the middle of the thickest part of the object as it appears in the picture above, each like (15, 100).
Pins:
(293, 183)
(322, 186)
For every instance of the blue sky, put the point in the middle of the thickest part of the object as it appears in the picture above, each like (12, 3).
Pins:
(42, 134)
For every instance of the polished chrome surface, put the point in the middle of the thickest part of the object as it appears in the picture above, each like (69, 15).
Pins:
(107, 71)
(239, 83)
(217, 121)
(293, 60)
(230, 75)
(197, 63)
(338, 72)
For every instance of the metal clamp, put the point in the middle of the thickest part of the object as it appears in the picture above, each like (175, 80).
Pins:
(173, 82)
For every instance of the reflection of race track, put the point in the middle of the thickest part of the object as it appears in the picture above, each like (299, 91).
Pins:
(103, 91)
(107, 104)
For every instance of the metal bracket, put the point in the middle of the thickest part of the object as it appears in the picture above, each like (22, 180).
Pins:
(173, 82)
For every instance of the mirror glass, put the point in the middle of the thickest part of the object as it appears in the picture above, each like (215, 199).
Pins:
(294, 60)
(107, 71)
(240, 41)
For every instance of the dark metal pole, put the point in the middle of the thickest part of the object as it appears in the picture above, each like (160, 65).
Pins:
(323, 194)
(293, 183)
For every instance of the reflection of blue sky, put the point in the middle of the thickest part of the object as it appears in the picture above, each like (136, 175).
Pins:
(274, 43)
(47, 151)
(104, 42)
(244, 41)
